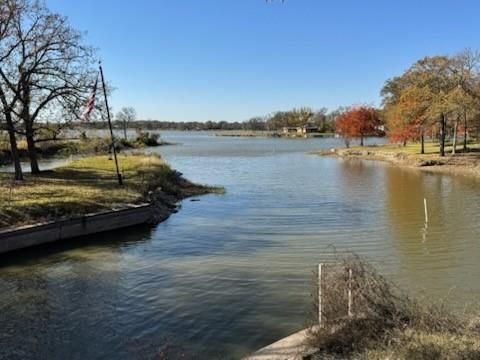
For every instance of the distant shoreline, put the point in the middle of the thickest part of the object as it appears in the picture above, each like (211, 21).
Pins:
(459, 164)
(271, 134)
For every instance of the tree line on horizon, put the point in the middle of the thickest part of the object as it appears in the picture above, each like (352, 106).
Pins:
(436, 99)
(322, 119)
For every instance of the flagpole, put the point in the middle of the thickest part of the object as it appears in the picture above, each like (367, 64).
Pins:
(120, 181)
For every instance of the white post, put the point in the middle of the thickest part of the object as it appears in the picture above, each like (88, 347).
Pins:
(426, 209)
(350, 314)
(320, 295)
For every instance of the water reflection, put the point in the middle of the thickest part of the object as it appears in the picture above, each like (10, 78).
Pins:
(437, 258)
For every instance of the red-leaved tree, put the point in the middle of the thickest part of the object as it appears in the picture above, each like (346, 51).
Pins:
(358, 123)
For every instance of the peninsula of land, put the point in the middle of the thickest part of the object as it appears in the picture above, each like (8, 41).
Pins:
(89, 185)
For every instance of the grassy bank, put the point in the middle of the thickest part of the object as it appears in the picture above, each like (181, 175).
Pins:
(467, 163)
(83, 146)
(388, 324)
(90, 185)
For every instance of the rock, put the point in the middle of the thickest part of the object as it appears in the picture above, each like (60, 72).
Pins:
(431, 163)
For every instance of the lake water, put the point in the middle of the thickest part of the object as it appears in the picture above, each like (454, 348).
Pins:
(231, 273)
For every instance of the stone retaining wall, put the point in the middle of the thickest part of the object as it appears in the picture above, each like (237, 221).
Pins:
(27, 236)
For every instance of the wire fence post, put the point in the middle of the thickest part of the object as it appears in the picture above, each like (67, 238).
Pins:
(350, 279)
(320, 295)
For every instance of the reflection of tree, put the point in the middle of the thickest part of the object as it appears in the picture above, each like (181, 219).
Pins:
(404, 191)
(405, 194)
(358, 186)
(431, 263)
(356, 177)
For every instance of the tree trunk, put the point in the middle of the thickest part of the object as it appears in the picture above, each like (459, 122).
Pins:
(29, 133)
(442, 134)
(7, 112)
(32, 152)
(361, 140)
(465, 148)
(14, 149)
(455, 130)
(125, 130)
(422, 143)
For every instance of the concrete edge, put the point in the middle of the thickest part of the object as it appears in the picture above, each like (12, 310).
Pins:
(293, 347)
(32, 235)
(36, 225)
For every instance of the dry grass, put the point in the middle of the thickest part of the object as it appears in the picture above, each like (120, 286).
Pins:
(387, 323)
(410, 148)
(411, 344)
(431, 148)
(85, 186)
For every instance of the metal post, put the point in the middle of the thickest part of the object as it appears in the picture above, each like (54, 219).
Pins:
(120, 181)
(350, 313)
(320, 295)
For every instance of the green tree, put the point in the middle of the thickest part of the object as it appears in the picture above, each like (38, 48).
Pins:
(431, 90)
(466, 68)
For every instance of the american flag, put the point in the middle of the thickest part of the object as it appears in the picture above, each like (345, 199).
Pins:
(90, 102)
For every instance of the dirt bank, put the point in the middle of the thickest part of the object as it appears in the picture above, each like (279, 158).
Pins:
(467, 163)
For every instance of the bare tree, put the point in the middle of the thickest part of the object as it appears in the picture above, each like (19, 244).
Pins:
(126, 115)
(7, 100)
(46, 68)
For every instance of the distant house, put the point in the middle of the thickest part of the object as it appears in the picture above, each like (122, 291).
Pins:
(307, 129)
(299, 130)
(289, 130)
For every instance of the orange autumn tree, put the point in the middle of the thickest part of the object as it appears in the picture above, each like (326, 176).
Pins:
(407, 117)
(357, 123)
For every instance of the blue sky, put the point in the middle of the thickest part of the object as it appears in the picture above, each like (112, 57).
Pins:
(187, 60)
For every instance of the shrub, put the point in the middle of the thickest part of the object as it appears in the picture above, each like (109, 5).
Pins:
(387, 321)
(147, 139)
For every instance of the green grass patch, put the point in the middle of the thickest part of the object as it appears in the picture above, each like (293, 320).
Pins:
(431, 148)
